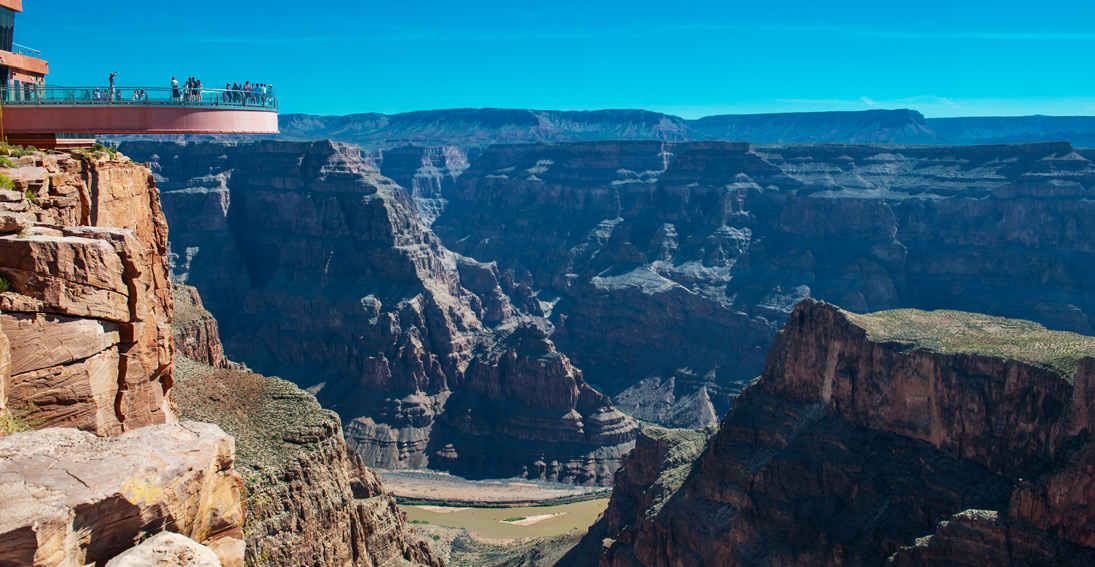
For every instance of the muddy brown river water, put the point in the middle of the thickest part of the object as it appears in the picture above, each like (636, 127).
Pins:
(539, 521)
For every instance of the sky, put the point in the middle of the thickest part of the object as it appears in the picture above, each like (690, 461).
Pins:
(691, 59)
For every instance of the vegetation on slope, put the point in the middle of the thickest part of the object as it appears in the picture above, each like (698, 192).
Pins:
(953, 332)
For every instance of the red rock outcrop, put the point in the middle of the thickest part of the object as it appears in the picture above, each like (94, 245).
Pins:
(866, 435)
(71, 498)
(318, 269)
(83, 251)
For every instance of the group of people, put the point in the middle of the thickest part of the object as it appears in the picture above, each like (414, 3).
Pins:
(234, 93)
(191, 91)
(105, 95)
(248, 93)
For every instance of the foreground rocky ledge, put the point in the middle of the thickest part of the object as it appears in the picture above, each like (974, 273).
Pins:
(904, 438)
(71, 498)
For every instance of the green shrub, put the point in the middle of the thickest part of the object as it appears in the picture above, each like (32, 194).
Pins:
(6, 183)
(14, 420)
(514, 519)
(5, 285)
(29, 195)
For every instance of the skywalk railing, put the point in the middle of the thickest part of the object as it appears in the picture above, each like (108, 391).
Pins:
(24, 50)
(32, 94)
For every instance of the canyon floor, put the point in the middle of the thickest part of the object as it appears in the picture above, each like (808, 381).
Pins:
(441, 487)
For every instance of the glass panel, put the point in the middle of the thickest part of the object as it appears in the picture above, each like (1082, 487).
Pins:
(7, 28)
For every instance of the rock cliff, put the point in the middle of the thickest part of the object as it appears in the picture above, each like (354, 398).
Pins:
(666, 268)
(85, 303)
(318, 269)
(310, 501)
(194, 329)
(899, 438)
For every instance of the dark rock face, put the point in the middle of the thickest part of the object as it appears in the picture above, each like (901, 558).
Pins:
(851, 447)
(317, 269)
(666, 268)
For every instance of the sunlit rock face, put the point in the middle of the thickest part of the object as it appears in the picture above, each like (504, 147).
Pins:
(86, 308)
(318, 269)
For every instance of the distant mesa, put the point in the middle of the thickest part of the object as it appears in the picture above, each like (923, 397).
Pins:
(478, 128)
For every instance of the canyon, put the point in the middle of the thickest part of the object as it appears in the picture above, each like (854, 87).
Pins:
(667, 268)
(661, 270)
(489, 312)
(317, 270)
(900, 438)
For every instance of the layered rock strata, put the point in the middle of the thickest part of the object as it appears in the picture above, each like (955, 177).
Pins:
(428, 174)
(666, 268)
(71, 498)
(86, 303)
(318, 269)
(310, 501)
(900, 438)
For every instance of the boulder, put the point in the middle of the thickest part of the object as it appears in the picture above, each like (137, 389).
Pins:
(71, 498)
(167, 549)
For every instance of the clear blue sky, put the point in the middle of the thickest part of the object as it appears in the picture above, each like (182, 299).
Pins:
(944, 58)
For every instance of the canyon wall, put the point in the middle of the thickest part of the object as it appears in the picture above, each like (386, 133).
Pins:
(319, 270)
(661, 270)
(666, 268)
(900, 438)
(428, 174)
(86, 304)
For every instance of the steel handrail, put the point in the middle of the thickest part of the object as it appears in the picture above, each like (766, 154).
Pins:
(32, 94)
(25, 51)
